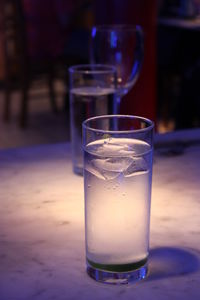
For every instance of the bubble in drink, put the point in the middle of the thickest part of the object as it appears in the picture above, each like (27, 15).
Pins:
(118, 201)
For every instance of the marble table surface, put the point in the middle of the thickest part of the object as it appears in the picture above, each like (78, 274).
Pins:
(42, 253)
(184, 23)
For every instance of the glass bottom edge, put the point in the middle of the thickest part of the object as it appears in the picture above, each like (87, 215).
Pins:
(99, 273)
(78, 170)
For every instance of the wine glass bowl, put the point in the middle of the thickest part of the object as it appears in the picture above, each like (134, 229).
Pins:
(122, 47)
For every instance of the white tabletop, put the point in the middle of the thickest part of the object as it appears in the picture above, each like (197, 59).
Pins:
(42, 254)
(191, 24)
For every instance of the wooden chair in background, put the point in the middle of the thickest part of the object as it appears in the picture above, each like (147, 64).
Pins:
(20, 71)
(66, 29)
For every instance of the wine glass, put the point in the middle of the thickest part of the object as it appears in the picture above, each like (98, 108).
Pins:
(120, 46)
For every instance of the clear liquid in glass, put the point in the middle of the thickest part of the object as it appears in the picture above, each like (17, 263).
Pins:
(117, 203)
(87, 102)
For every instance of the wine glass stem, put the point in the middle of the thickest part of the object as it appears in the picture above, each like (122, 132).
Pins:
(116, 105)
(116, 109)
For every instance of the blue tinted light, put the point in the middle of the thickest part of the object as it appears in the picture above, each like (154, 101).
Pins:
(94, 30)
(118, 57)
(113, 39)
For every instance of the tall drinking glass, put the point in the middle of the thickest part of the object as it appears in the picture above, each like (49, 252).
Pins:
(117, 185)
(92, 93)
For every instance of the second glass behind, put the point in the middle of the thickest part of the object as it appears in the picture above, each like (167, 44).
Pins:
(92, 93)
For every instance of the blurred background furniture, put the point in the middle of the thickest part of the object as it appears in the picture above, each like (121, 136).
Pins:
(39, 45)
(179, 64)
(20, 69)
(168, 86)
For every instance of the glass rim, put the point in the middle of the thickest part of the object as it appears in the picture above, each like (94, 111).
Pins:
(92, 69)
(119, 27)
(134, 117)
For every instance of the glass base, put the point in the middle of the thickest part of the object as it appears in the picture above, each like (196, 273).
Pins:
(116, 276)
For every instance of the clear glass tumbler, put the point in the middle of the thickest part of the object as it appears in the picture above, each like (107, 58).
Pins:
(117, 186)
(92, 93)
